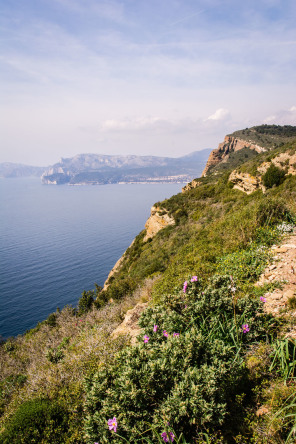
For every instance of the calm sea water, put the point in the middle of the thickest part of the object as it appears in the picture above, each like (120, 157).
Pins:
(57, 241)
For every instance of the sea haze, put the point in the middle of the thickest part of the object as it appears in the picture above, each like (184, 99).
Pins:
(57, 241)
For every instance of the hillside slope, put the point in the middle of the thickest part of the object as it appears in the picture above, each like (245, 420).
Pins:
(210, 365)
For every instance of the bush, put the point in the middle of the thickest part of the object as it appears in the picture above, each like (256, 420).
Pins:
(36, 421)
(274, 176)
(86, 301)
(52, 320)
(271, 212)
(187, 377)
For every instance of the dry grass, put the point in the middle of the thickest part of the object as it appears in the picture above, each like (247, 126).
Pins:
(88, 346)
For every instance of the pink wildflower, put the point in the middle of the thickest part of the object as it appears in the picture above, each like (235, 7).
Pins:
(155, 328)
(168, 437)
(112, 424)
(262, 299)
(245, 328)
(185, 285)
(193, 279)
(146, 339)
(176, 334)
(165, 333)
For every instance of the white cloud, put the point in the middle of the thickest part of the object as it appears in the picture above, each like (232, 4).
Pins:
(282, 117)
(129, 124)
(220, 114)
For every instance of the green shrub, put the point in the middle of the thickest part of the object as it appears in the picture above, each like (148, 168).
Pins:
(52, 320)
(244, 265)
(272, 211)
(274, 176)
(56, 354)
(86, 301)
(36, 421)
(188, 379)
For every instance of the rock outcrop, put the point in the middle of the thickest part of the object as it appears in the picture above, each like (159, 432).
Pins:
(248, 184)
(229, 145)
(282, 269)
(158, 220)
(285, 161)
(130, 325)
(194, 184)
(245, 182)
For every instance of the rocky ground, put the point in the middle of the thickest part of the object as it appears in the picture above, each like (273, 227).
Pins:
(282, 269)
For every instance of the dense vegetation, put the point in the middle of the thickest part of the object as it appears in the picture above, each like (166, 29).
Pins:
(268, 136)
(208, 355)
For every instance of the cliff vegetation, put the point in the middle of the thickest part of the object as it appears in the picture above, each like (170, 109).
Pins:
(210, 363)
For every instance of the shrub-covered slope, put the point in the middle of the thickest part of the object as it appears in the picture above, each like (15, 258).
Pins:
(209, 366)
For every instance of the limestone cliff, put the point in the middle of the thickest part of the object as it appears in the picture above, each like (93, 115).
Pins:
(159, 219)
(229, 145)
(194, 184)
(245, 182)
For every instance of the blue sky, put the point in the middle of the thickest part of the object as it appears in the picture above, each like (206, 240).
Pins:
(153, 77)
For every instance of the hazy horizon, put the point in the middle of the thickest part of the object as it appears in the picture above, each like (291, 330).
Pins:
(104, 154)
(141, 78)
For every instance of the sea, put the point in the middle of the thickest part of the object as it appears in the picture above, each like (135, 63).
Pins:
(57, 241)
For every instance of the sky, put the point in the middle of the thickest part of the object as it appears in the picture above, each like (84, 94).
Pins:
(145, 77)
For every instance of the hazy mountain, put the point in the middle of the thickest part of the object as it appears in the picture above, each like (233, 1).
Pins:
(9, 169)
(102, 169)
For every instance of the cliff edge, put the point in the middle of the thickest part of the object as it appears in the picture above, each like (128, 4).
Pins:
(229, 145)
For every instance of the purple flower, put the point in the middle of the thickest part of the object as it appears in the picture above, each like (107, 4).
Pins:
(165, 333)
(185, 285)
(262, 299)
(112, 423)
(176, 334)
(146, 339)
(193, 279)
(168, 437)
(245, 328)
(155, 328)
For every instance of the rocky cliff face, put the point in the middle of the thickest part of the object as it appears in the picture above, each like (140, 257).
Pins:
(194, 184)
(230, 144)
(245, 182)
(159, 219)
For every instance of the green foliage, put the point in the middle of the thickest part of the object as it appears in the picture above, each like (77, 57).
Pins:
(274, 176)
(292, 303)
(8, 386)
(37, 421)
(9, 345)
(55, 354)
(286, 130)
(244, 265)
(86, 301)
(187, 380)
(118, 289)
(52, 320)
(272, 211)
(284, 358)
(287, 417)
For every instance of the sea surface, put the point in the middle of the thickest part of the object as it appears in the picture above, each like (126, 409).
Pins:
(56, 241)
